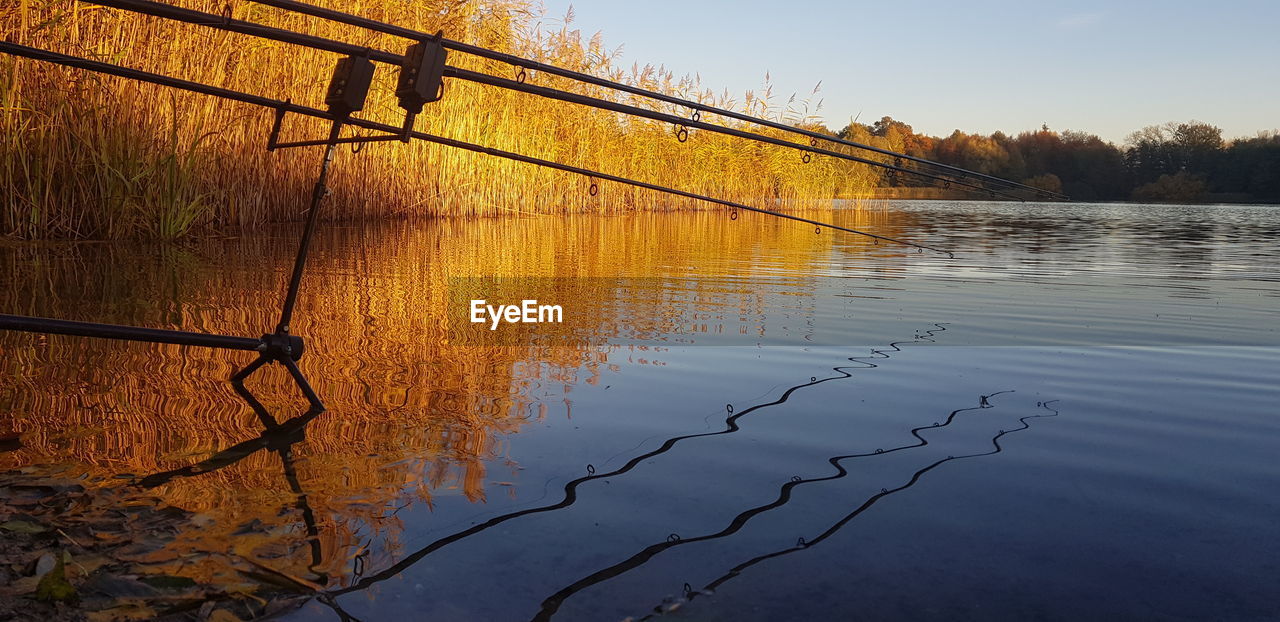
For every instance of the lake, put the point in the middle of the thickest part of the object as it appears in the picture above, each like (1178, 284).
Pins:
(1073, 418)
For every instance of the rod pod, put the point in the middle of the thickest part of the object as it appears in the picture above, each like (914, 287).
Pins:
(347, 92)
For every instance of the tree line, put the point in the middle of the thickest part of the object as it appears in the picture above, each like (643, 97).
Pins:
(1173, 162)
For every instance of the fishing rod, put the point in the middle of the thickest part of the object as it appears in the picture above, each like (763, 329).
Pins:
(224, 22)
(698, 107)
(395, 133)
(422, 70)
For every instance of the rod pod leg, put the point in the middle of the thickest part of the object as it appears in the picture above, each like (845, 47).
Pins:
(239, 376)
(280, 346)
(302, 383)
(304, 245)
(286, 350)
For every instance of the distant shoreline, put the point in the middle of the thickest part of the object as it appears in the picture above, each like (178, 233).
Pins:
(945, 194)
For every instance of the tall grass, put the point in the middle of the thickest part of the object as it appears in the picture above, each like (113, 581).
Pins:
(90, 156)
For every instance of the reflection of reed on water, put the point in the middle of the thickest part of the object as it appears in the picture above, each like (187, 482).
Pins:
(410, 417)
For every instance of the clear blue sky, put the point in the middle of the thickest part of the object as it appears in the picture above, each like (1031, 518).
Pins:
(1104, 67)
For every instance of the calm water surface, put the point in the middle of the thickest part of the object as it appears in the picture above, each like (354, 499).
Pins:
(1074, 418)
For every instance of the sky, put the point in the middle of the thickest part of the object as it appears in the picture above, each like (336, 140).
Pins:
(1107, 68)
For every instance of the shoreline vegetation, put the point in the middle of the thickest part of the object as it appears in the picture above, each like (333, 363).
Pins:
(92, 157)
(1169, 163)
(86, 156)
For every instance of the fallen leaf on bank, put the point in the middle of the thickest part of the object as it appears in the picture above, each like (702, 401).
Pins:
(53, 586)
(280, 577)
(125, 611)
(222, 615)
(241, 588)
(23, 526)
(146, 550)
(19, 587)
(85, 565)
(118, 587)
(167, 582)
(275, 581)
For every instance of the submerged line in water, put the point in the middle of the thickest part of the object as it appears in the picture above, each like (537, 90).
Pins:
(570, 489)
(553, 602)
(802, 544)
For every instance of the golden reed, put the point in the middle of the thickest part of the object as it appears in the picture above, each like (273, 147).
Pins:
(87, 156)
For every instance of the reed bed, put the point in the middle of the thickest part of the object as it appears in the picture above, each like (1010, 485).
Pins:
(86, 156)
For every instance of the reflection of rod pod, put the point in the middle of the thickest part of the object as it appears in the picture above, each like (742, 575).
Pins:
(347, 92)
(277, 437)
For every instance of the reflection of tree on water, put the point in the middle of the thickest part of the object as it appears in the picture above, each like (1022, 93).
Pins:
(415, 416)
(280, 438)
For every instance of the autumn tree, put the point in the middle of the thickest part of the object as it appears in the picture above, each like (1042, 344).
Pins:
(1169, 148)
(1251, 166)
(972, 151)
(1088, 168)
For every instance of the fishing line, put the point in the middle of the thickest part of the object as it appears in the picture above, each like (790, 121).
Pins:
(844, 372)
(570, 488)
(555, 601)
(802, 544)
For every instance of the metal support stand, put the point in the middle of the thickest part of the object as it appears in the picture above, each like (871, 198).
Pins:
(279, 346)
(420, 82)
(300, 260)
